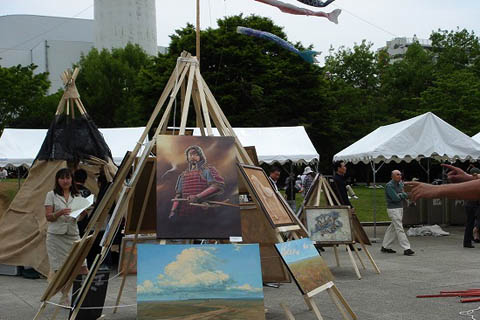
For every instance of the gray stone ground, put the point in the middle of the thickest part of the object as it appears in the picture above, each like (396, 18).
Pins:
(439, 264)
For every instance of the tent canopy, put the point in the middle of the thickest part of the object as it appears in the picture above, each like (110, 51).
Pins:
(424, 136)
(276, 144)
(476, 137)
(19, 147)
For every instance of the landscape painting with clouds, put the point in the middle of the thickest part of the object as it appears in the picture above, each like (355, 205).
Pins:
(199, 282)
(307, 267)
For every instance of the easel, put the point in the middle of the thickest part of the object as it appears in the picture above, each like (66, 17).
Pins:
(337, 298)
(321, 192)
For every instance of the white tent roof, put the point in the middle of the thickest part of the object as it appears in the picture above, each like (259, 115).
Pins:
(276, 144)
(19, 147)
(420, 137)
(476, 137)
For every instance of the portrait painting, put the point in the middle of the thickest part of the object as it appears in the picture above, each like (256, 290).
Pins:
(197, 188)
(192, 282)
(305, 264)
(276, 210)
(329, 224)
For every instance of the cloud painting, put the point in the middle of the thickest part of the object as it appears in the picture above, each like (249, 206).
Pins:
(182, 280)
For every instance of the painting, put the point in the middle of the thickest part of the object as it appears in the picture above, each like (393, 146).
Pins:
(263, 190)
(197, 188)
(329, 224)
(305, 264)
(127, 249)
(192, 282)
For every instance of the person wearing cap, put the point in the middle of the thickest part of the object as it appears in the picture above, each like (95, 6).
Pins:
(309, 175)
(395, 195)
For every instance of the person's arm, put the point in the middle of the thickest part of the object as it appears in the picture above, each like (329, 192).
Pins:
(456, 174)
(469, 190)
(392, 194)
(53, 216)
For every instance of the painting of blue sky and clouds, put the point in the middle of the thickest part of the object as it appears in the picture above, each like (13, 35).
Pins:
(187, 272)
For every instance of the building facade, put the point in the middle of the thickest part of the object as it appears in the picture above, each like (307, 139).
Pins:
(54, 44)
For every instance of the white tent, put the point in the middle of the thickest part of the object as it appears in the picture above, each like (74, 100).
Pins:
(476, 137)
(424, 136)
(276, 144)
(19, 147)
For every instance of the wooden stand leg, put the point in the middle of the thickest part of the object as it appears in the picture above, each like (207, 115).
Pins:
(315, 309)
(337, 303)
(39, 312)
(335, 250)
(353, 262)
(63, 300)
(287, 311)
(358, 256)
(344, 302)
(308, 302)
(369, 256)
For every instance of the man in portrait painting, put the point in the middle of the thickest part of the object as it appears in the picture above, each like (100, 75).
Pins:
(196, 185)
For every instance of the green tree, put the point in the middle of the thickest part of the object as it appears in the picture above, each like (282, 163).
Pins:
(403, 82)
(21, 92)
(256, 82)
(107, 83)
(455, 97)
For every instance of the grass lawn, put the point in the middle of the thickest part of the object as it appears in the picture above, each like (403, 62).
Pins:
(8, 190)
(364, 204)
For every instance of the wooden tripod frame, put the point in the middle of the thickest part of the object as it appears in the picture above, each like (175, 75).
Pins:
(188, 79)
(321, 192)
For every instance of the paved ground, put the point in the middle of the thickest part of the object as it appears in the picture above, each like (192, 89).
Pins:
(440, 264)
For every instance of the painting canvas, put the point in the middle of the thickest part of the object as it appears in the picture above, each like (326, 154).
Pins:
(307, 267)
(268, 197)
(197, 188)
(329, 224)
(199, 282)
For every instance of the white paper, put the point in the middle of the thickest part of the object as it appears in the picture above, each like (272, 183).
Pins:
(236, 239)
(79, 204)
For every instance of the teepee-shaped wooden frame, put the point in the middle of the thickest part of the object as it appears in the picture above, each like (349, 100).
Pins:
(187, 80)
(322, 194)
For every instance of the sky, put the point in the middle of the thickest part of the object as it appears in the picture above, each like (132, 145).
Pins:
(292, 251)
(377, 21)
(179, 272)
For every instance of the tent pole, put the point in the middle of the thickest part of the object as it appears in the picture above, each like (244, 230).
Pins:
(18, 177)
(374, 202)
(428, 170)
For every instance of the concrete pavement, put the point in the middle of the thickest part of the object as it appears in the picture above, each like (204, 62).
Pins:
(439, 264)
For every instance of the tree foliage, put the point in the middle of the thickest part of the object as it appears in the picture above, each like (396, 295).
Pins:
(258, 83)
(22, 96)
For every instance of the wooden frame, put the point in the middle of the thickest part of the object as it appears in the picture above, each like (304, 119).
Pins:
(345, 208)
(128, 256)
(136, 204)
(286, 218)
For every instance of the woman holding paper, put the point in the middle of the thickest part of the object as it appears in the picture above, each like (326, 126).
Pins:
(62, 230)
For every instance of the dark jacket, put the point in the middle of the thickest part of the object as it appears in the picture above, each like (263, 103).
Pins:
(340, 189)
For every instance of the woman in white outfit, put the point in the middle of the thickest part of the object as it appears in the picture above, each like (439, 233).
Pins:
(62, 230)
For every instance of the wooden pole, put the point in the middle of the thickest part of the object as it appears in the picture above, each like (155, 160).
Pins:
(198, 31)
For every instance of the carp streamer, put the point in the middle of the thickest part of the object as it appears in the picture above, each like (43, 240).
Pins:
(289, 8)
(307, 55)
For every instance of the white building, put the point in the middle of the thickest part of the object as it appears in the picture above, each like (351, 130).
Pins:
(55, 43)
(397, 48)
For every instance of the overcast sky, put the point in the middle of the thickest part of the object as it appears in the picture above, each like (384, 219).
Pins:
(374, 20)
